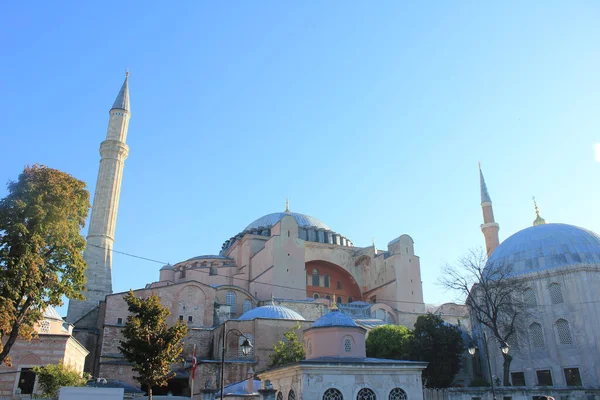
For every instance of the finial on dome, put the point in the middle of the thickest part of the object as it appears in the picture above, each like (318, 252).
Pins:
(287, 205)
(538, 220)
(272, 299)
(334, 306)
(126, 72)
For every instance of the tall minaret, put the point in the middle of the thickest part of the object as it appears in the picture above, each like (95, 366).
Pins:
(101, 233)
(489, 227)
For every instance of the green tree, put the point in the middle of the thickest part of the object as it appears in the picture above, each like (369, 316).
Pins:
(149, 344)
(441, 345)
(389, 341)
(289, 350)
(54, 376)
(41, 249)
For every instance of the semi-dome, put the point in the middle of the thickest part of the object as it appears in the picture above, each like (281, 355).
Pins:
(334, 318)
(267, 221)
(271, 311)
(545, 247)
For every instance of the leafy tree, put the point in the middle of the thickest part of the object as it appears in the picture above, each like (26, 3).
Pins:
(149, 344)
(54, 376)
(41, 249)
(287, 351)
(494, 296)
(389, 341)
(441, 345)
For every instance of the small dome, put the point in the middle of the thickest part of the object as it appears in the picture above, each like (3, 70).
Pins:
(267, 221)
(545, 247)
(271, 312)
(334, 318)
(51, 313)
(168, 267)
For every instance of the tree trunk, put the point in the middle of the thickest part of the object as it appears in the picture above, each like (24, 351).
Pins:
(506, 365)
(149, 392)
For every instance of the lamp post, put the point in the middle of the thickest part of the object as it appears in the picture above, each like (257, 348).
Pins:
(504, 347)
(246, 347)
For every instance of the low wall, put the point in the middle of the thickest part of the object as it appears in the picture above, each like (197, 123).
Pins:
(512, 393)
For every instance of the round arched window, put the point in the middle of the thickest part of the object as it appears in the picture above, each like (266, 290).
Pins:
(397, 394)
(279, 396)
(366, 394)
(332, 394)
(292, 395)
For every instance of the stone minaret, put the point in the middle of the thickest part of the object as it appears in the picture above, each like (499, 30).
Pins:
(489, 227)
(101, 233)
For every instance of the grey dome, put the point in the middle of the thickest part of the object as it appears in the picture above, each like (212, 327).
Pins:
(167, 267)
(545, 247)
(267, 221)
(271, 312)
(334, 318)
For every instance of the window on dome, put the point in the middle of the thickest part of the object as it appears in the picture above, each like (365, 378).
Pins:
(326, 280)
(241, 341)
(230, 300)
(536, 335)
(366, 394)
(182, 274)
(213, 270)
(564, 332)
(247, 306)
(315, 277)
(332, 394)
(530, 297)
(397, 394)
(347, 345)
(555, 291)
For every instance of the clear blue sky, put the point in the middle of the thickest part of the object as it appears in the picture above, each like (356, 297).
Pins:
(370, 116)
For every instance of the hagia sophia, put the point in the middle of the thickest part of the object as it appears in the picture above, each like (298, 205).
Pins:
(290, 270)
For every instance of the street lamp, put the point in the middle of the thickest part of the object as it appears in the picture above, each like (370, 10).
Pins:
(246, 346)
(473, 350)
(504, 347)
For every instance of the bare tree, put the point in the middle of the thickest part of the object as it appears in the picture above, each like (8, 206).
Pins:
(495, 297)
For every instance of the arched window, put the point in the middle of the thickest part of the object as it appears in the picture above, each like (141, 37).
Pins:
(292, 395)
(328, 297)
(397, 394)
(309, 346)
(279, 396)
(182, 274)
(536, 335)
(332, 394)
(241, 340)
(564, 332)
(339, 285)
(347, 344)
(366, 394)
(316, 296)
(326, 280)
(339, 300)
(350, 299)
(315, 278)
(246, 306)
(530, 297)
(213, 270)
(556, 296)
(230, 300)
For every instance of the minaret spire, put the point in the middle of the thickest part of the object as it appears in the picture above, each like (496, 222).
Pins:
(489, 227)
(101, 233)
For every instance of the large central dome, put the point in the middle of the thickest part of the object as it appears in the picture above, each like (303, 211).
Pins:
(305, 221)
(545, 247)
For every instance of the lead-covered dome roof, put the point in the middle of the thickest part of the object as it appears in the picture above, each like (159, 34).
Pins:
(334, 318)
(545, 247)
(271, 311)
(303, 220)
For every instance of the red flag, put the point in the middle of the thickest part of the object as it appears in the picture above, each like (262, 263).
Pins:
(194, 363)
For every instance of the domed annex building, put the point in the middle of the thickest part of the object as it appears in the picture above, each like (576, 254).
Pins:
(560, 265)
(281, 271)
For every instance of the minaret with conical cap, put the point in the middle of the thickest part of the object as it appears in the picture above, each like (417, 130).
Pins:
(101, 233)
(489, 227)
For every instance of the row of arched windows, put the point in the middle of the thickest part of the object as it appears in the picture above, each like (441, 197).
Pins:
(316, 280)
(563, 333)
(337, 300)
(554, 292)
(231, 301)
(363, 394)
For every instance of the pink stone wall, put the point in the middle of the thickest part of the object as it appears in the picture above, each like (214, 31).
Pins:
(331, 342)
